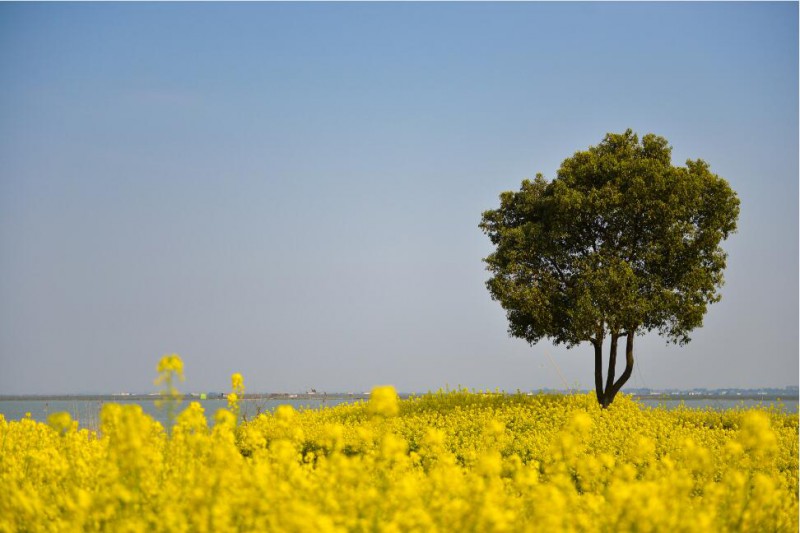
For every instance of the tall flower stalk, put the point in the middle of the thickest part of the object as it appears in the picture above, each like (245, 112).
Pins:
(236, 395)
(170, 370)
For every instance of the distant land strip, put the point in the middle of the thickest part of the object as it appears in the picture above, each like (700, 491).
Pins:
(183, 397)
(789, 395)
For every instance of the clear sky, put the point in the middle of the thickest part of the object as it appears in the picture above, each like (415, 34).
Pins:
(293, 191)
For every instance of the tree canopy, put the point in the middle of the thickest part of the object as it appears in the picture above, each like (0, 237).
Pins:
(620, 243)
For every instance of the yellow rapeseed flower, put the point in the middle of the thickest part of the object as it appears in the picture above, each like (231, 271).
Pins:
(170, 364)
(448, 461)
(60, 422)
(384, 401)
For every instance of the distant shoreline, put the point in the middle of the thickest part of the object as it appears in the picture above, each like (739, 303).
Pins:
(671, 396)
(731, 397)
(184, 397)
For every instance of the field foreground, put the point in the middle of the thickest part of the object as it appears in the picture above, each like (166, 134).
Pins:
(454, 461)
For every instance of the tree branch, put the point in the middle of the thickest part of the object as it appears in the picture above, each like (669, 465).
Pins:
(559, 272)
(598, 370)
(628, 367)
(612, 366)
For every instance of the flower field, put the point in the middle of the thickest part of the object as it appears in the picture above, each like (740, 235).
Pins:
(449, 461)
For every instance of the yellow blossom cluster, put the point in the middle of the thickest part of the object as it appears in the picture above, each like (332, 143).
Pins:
(448, 461)
(236, 394)
(170, 369)
(171, 364)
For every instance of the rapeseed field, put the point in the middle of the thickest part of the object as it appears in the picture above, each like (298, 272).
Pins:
(447, 461)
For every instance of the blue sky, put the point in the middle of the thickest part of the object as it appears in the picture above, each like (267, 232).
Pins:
(293, 191)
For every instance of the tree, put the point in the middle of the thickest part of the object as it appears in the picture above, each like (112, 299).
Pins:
(620, 243)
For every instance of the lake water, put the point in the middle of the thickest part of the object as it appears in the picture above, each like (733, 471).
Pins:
(722, 404)
(87, 412)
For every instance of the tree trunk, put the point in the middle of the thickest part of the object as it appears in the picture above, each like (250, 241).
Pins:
(612, 367)
(598, 368)
(628, 369)
(606, 395)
